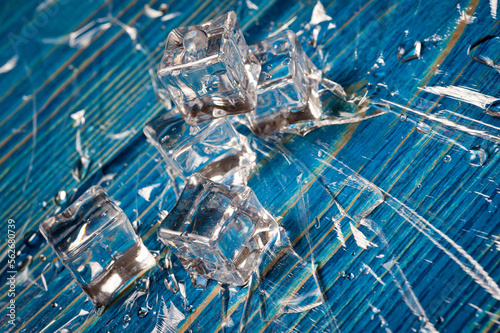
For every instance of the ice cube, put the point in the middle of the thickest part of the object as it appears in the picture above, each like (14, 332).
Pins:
(209, 70)
(214, 149)
(217, 230)
(96, 242)
(287, 87)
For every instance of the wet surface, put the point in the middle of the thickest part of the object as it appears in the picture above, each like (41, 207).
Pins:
(398, 214)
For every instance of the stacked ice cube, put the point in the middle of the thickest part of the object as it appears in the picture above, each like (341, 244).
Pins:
(219, 229)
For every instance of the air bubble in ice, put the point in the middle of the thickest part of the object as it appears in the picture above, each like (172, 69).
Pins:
(195, 40)
(126, 318)
(350, 276)
(447, 158)
(477, 156)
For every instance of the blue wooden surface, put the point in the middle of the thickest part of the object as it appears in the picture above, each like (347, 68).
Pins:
(437, 252)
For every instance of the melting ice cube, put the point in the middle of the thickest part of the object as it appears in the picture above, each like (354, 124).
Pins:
(287, 87)
(209, 71)
(96, 242)
(214, 149)
(217, 230)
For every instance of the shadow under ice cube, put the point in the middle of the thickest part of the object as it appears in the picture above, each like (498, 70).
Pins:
(218, 231)
(209, 71)
(287, 87)
(214, 149)
(96, 242)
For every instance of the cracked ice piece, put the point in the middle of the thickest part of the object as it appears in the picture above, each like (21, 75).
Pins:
(209, 70)
(287, 87)
(213, 149)
(96, 242)
(218, 231)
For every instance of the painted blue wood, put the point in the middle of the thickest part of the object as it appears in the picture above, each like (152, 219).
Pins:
(433, 262)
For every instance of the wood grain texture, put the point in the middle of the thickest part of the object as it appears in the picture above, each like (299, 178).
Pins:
(435, 260)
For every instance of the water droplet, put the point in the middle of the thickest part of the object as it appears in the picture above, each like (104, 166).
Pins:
(126, 318)
(494, 109)
(82, 168)
(163, 8)
(403, 117)
(342, 274)
(107, 248)
(24, 261)
(286, 62)
(142, 312)
(447, 158)
(423, 128)
(54, 305)
(44, 204)
(477, 156)
(61, 198)
(364, 270)
(485, 51)
(57, 267)
(42, 257)
(198, 281)
(164, 263)
(408, 50)
(350, 276)
(354, 253)
(195, 41)
(32, 239)
(171, 283)
(143, 284)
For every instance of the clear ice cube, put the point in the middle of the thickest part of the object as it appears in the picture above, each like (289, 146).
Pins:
(96, 242)
(287, 87)
(209, 70)
(214, 149)
(217, 230)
